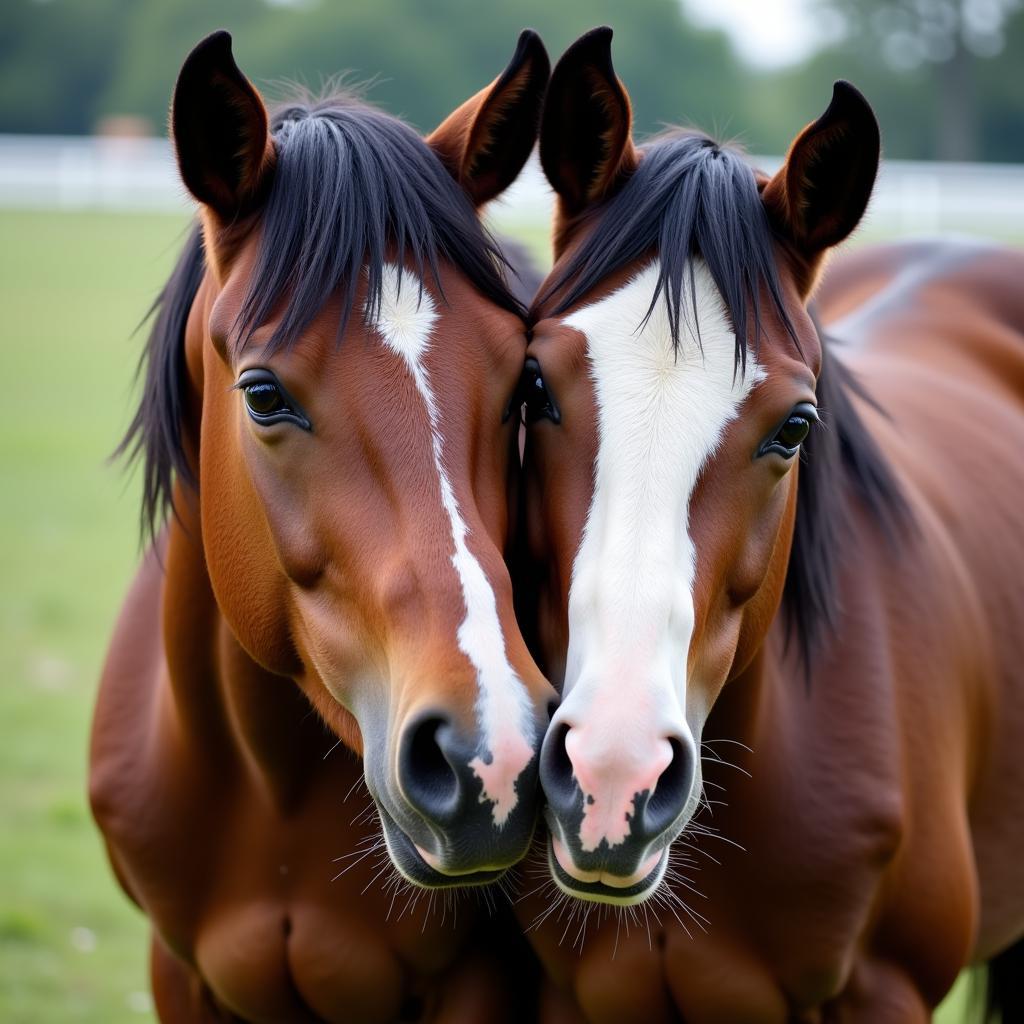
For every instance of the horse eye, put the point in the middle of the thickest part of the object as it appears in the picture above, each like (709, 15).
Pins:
(533, 393)
(793, 431)
(787, 438)
(267, 401)
(264, 398)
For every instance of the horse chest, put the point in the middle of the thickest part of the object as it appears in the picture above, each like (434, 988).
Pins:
(283, 936)
(257, 903)
(310, 961)
(266, 960)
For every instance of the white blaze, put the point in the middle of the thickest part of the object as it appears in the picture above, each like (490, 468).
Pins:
(661, 416)
(405, 322)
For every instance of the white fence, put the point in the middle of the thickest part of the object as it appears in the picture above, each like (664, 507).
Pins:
(79, 172)
(72, 172)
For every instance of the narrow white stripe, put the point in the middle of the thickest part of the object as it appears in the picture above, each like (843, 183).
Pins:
(405, 322)
(661, 415)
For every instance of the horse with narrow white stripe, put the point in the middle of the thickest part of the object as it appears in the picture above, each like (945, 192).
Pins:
(325, 408)
(405, 318)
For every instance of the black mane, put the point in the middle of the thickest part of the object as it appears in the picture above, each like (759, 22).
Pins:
(353, 188)
(840, 464)
(690, 197)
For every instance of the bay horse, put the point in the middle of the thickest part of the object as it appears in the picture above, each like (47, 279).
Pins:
(325, 412)
(752, 547)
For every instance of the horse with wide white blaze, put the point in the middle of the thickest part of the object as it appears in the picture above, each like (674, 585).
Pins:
(742, 532)
(325, 409)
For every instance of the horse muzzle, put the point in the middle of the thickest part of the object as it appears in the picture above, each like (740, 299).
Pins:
(615, 803)
(442, 824)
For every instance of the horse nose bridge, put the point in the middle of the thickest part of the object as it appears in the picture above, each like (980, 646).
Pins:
(453, 610)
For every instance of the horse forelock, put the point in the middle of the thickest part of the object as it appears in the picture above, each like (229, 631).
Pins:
(689, 196)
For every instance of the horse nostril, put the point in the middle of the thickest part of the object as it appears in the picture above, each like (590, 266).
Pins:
(671, 791)
(428, 778)
(556, 771)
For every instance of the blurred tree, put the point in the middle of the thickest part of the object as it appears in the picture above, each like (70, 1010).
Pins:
(64, 64)
(1000, 90)
(156, 38)
(947, 37)
(788, 99)
(68, 62)
(55, 60)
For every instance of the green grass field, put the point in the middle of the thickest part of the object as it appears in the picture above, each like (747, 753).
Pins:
(72, 288)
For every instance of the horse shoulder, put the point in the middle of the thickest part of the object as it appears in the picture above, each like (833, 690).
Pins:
(122, 721)
(154, 800)
(822, 818)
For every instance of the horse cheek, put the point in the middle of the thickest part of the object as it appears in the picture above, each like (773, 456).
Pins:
(251, 590)
(761, 609)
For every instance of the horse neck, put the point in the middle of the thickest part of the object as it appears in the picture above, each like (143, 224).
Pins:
(247, 718)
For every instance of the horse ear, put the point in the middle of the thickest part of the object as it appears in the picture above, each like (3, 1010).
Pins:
(220, 132)
(586, 148)
(821, 191)
(486, 141)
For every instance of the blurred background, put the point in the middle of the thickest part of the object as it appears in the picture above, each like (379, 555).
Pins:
(91, 217)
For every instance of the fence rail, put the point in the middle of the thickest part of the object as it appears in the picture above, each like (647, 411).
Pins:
(72, 172)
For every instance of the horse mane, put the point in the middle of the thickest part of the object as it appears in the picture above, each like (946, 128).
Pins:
(353, 189)
(840, 464)
(692, 197)
(154, 436)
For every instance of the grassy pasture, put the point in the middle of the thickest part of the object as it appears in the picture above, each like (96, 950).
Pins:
(72, 288)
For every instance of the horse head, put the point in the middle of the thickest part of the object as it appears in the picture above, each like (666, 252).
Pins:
(674, 369)
(349, 361)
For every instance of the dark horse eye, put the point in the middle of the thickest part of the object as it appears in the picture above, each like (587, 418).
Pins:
(790, 435)
(267, 401)
(264, 398)
(534, 396)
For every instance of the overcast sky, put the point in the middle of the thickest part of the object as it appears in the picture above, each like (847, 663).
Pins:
(765, 32)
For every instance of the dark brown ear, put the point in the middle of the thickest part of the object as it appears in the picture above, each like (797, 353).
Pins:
(820, 193)
(486, 141)
(586, 148)
(219, 128)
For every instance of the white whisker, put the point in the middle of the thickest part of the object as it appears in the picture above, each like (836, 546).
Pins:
(726, 739)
